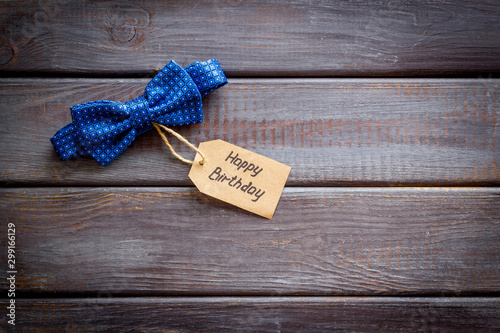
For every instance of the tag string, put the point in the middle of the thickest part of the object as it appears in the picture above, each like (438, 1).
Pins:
(182, 139)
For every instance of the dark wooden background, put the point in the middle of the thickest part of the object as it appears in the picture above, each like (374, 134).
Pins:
(386, 111)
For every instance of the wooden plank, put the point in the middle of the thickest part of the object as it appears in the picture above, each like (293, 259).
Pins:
(274, 314)
(321, 241)
(278, 38)
(330, 131)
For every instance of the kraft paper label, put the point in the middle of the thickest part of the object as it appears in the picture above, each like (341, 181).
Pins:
(239, 177)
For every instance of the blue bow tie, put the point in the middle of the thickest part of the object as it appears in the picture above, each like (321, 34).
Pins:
(104, 129)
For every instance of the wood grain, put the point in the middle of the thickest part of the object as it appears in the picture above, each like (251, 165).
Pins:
(330, 131)
(321, 241)
(107, 243)
(252, 38)
(274, 314)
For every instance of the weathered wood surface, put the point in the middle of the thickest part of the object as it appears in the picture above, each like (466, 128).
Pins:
(321, 241)
(108, 243)
(353, 131)
(263, 38)
(273, 314)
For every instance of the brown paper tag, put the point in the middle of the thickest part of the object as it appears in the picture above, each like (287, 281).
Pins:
(239, 177)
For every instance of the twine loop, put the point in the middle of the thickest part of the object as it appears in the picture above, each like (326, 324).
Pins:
(182, 139)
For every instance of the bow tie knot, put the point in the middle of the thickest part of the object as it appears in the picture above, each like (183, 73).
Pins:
(104, 129)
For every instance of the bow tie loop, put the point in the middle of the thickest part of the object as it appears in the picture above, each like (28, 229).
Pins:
(104, 129)
(96, 122)
(172, 85)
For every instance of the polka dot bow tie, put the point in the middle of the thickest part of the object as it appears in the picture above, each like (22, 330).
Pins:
(104, 129)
